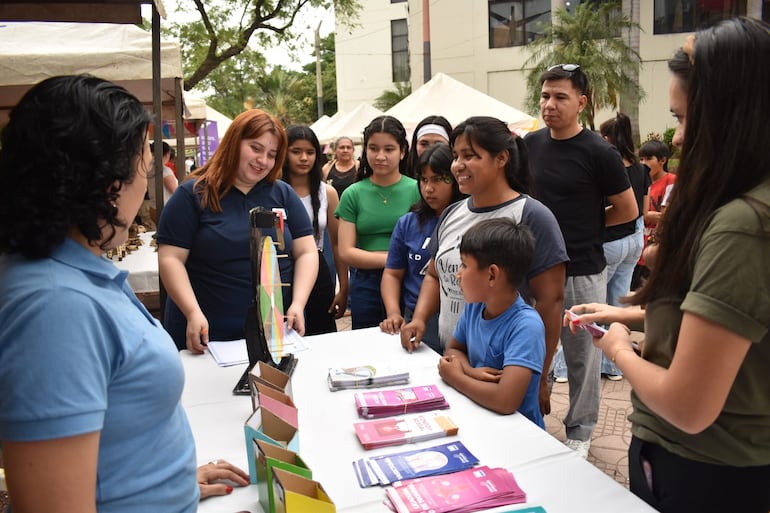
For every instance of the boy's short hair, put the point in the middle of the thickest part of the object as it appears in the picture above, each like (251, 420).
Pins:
(502, 242)
(654, 148)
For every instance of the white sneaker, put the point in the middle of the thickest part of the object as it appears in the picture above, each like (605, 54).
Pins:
(560, 379)
(579, 446)
(614, 377)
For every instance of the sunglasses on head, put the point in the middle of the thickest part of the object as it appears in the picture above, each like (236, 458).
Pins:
(569, 68)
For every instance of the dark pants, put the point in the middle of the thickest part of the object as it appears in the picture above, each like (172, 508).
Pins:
(681, 485)
(366, 307)
(318, 320)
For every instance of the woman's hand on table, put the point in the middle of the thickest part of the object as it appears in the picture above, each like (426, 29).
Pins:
(392, 325)
(214, 478)
(411, 334)
(197, 333)
(295, 319)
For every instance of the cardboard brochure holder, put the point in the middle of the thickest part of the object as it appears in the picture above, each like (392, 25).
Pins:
(270, 376)
(259, 389)
(297, 494)
(269, 457)
(270, 427)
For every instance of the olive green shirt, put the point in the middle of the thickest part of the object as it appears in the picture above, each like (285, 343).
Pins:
(731, 287)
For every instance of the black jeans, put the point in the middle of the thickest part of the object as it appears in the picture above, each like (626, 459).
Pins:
(682, 485)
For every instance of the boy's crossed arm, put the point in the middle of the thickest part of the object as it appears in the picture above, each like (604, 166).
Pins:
(501, 391)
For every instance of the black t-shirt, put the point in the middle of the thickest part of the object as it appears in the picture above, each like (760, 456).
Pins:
(639, 175)
(572, 177)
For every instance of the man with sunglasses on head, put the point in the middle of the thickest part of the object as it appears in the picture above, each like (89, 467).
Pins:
(581, 178)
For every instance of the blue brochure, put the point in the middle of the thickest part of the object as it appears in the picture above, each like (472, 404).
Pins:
(429, 461)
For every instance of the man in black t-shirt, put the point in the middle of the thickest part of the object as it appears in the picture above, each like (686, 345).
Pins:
(573, 171)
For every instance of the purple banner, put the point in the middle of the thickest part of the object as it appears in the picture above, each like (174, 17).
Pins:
(209, 141)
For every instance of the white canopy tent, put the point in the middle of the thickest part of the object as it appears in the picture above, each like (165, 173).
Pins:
(197, 108)
(350, 124)
(33, 51)
(456, 101)
(320, 123)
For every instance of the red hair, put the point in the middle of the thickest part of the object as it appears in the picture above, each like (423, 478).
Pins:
(214, 179)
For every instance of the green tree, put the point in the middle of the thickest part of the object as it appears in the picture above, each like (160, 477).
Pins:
(281, 94)
(227, 28)
(389, 98)
(235, 83)
(588, 37)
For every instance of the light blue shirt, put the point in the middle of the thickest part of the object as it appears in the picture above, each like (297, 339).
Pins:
(80, 354)
(515, 337)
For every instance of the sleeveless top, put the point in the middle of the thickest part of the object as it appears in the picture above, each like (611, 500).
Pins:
(322, 209)
(341, 181)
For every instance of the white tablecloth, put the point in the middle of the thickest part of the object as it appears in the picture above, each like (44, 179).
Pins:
(142, 266)
(552, 475)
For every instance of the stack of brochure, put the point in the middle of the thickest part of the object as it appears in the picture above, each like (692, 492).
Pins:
(469, 490)
(367, 376)
(386, 403)
(403, 430)
(430, 461)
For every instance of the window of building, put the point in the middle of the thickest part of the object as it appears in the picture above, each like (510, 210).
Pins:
(517, 22)
(399, 42)
(673, 16)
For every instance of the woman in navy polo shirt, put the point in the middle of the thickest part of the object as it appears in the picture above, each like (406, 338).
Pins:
(203, 236)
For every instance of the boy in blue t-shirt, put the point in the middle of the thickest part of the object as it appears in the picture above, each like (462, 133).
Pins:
(496, 354)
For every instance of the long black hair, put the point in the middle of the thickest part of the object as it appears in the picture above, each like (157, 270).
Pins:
(439, 158)
(494, 136)
(617, 130)
(69, 146)
(386, 125)
(725, 149)
(305, 133)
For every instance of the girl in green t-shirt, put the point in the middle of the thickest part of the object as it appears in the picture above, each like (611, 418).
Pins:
(368, 212)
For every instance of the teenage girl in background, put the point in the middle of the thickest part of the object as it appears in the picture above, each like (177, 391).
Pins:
(431, 130)
(368, 212)
(408, 255)
(302, 170)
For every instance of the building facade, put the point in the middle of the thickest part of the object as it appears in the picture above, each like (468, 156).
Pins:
(483, 44)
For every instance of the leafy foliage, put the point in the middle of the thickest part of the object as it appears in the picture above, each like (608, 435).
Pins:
(389, 98)
(225, 29)
(588, 37)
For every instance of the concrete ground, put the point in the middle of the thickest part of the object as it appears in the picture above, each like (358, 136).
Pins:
(609, 445)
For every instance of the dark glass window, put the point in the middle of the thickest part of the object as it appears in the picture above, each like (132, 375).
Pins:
(517, 22)
(399, 42)
(673, 16)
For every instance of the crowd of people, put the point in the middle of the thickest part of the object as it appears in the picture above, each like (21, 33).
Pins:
(470, 239)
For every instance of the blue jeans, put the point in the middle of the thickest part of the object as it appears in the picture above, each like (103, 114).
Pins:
(366, 307)
(622, 256)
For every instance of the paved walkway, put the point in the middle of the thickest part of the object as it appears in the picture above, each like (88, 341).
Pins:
(612, 435)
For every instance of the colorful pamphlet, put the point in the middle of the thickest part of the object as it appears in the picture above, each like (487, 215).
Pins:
(462, 492)
(385, 403)
(403, 430)
(430, 461)
(366, 376)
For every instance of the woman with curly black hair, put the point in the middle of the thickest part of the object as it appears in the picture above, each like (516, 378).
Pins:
(80, 358)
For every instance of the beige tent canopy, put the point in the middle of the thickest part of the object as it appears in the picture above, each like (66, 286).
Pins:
(33, 51)
(445, 96)
(350, 124)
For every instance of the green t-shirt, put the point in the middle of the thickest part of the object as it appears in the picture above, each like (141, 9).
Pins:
(730, 286)
(374, 210)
